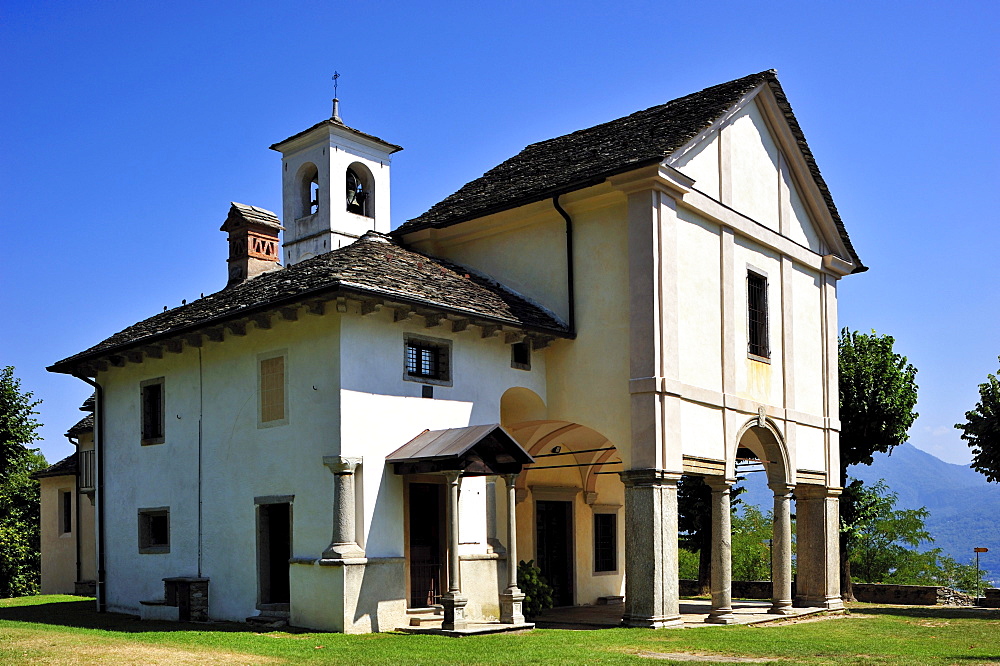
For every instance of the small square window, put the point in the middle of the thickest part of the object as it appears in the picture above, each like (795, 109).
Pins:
(272, 384)
(757, 334)
(427, 360)
(154, 530)
(605, 542)
(520, 355)
(152, 398)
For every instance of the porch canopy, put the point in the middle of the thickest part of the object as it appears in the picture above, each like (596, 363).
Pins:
(482, 450)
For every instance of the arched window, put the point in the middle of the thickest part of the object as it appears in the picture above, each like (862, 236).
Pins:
(358, 194)
(308, 190)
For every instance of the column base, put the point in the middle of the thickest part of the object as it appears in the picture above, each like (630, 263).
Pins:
(828, 603)
(721, 616)
(781, 608)
(343, 551)
(454, 611)
(655, 622)
(511, 606)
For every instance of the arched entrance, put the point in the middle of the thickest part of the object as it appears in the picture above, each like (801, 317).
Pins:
(570, 503)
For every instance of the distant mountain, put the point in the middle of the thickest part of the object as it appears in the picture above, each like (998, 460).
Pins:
(964, 507)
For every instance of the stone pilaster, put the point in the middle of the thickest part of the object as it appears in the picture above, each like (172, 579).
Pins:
(511, 599)
(453, 600)
(818, 553)
(722, 552)
(651, 586)
(781, 552)
(344, 543)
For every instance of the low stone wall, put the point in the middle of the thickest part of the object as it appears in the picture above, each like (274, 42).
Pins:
(926, 595)
(920, 595)
(991, 597)
(742, 589)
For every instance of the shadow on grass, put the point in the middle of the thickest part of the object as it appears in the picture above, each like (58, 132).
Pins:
(82, 614)
(948, 613)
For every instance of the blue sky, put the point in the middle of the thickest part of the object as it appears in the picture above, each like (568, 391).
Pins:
(129, 127)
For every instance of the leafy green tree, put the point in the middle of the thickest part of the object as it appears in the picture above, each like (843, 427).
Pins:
(879, 533)
(981, 430)
(694, 523)
(878, 392)
(19, 500)
(751, 535)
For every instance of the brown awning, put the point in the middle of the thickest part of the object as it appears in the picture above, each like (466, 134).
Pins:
(475, 451)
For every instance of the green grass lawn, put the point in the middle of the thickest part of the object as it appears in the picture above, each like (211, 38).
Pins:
(66, 630)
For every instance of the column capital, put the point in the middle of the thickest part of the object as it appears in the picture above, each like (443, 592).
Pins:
(510, 479)
(805, 491)
(719, 483)
(649, 477)
(341, 464)
(781, 489)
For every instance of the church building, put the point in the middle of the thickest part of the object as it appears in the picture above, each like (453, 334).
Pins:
(368, 426)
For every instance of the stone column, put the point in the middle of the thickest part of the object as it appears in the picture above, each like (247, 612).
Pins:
(511, 599)
(722, 552)
(343, 545)
(453, 600)
(651, 587)
(818, 537)
(781, 552)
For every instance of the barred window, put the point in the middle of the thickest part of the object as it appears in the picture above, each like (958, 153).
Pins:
(605, 542)
(757, 336)
(427, 360)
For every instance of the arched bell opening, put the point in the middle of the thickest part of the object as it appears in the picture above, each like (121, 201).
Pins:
(360, 190)
(307, 201)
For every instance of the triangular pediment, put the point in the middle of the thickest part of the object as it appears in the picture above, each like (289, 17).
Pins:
(754, 159)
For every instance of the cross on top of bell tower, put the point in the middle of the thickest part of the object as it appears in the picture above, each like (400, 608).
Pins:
(336, 102)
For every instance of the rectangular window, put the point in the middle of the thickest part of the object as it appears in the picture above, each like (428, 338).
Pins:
(605, 542)
(520, 355)
(154, 530)
(757, 316)
(427, 360)
(272, 390)
(66, 511)
(151, 396)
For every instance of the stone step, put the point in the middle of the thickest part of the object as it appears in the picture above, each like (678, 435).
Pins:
(268, 621)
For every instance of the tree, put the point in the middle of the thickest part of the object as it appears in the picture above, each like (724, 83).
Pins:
(878, 392)
(19, 501)
(878, 533)
(694, 523)
(751, 538)
(981, 430)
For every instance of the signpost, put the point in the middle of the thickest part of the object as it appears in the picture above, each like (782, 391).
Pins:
(977, 551)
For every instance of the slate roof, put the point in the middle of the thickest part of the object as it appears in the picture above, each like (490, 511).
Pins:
(250, 215)
(374, 265)
(90, 404)
(86, 424)
(65, 467)
(337, 123)
(589, 156)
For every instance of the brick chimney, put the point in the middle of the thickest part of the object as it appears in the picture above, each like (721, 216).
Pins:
(253, 242)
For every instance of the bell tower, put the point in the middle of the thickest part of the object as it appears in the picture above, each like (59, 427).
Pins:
(335, 187)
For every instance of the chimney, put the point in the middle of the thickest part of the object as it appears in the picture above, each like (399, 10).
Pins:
(253, 242)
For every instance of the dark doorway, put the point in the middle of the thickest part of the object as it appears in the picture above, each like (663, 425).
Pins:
(426, 503)
(274, 547)
(554, 548)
